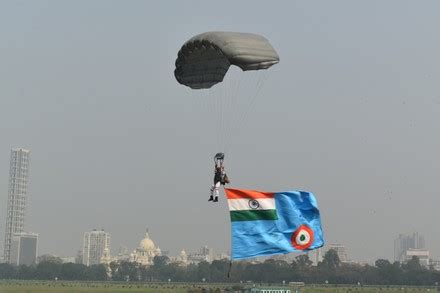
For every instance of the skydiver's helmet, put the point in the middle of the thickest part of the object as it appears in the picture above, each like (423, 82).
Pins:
(218, 159)
(219, 156)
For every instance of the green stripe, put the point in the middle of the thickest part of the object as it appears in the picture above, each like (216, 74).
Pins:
(253, 215)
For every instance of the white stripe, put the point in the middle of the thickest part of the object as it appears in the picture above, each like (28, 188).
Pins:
(244, 204)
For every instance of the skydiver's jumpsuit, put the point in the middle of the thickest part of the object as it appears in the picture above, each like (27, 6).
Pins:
(219, 179)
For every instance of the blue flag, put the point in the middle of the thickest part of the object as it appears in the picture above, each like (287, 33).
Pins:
(266, 223)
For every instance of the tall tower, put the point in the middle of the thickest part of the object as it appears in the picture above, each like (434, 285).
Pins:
(95, 243)
(405, 242)
(315, 256)
(341, 251)
(16, 206)
(24, 249)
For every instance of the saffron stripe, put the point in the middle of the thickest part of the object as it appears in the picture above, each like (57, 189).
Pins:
(241, 193)
(244, 204)
(253, 215)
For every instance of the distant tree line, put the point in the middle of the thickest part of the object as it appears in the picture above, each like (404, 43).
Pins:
(330, 271)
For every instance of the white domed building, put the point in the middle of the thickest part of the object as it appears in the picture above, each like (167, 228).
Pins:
(106, 259)
(183, 257)
(146, 251)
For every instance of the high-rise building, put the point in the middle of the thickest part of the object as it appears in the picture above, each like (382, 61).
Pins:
(23, 249)
(16, 205)
(95, 243)
(123, 253)
(79, 257)
(315, 256)
(434, 264)
(204, 254)
(68, 259)
(421, 254)
(405, 242)
(340, 250)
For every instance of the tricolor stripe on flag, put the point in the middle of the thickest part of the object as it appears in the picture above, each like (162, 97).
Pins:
(249, 205)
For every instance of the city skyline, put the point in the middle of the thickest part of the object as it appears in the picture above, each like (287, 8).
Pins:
(315, 256)
(19, 162)
(94, 243)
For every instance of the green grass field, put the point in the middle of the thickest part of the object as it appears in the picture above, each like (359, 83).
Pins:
(72, 287)
(84, 287)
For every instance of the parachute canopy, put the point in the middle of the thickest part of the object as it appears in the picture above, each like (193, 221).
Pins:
(204, 60)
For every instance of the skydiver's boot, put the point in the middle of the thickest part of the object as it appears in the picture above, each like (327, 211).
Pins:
(215, 199)
(211, 197)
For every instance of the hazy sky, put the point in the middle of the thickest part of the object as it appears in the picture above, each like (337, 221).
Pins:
(351, 113)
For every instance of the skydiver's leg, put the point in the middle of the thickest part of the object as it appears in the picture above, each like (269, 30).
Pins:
(212, 191)
(216, 191)
(211, 197)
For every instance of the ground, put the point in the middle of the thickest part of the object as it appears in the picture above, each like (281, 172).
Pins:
(95, 287)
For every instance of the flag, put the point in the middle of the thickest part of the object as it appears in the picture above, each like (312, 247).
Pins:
(266, 223)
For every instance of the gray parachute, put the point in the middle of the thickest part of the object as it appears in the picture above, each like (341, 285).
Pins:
(204, 60)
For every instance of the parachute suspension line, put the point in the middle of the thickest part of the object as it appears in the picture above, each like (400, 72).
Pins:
(212, 99)
(261, 80)
(212, 106)
(222, 105)
(213, 115)
(231, 100)
(244, 119)
(219, 98)
(203, 94)
(222, 96)
(195, 96)
(206, 108)
(227, 99)
(222, 117)
(209, 111)
(251, 103)
(219, 112)
(228, 106)
(202, 97)
(239, 101)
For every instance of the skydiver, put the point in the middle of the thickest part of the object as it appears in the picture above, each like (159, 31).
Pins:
(220, 177)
